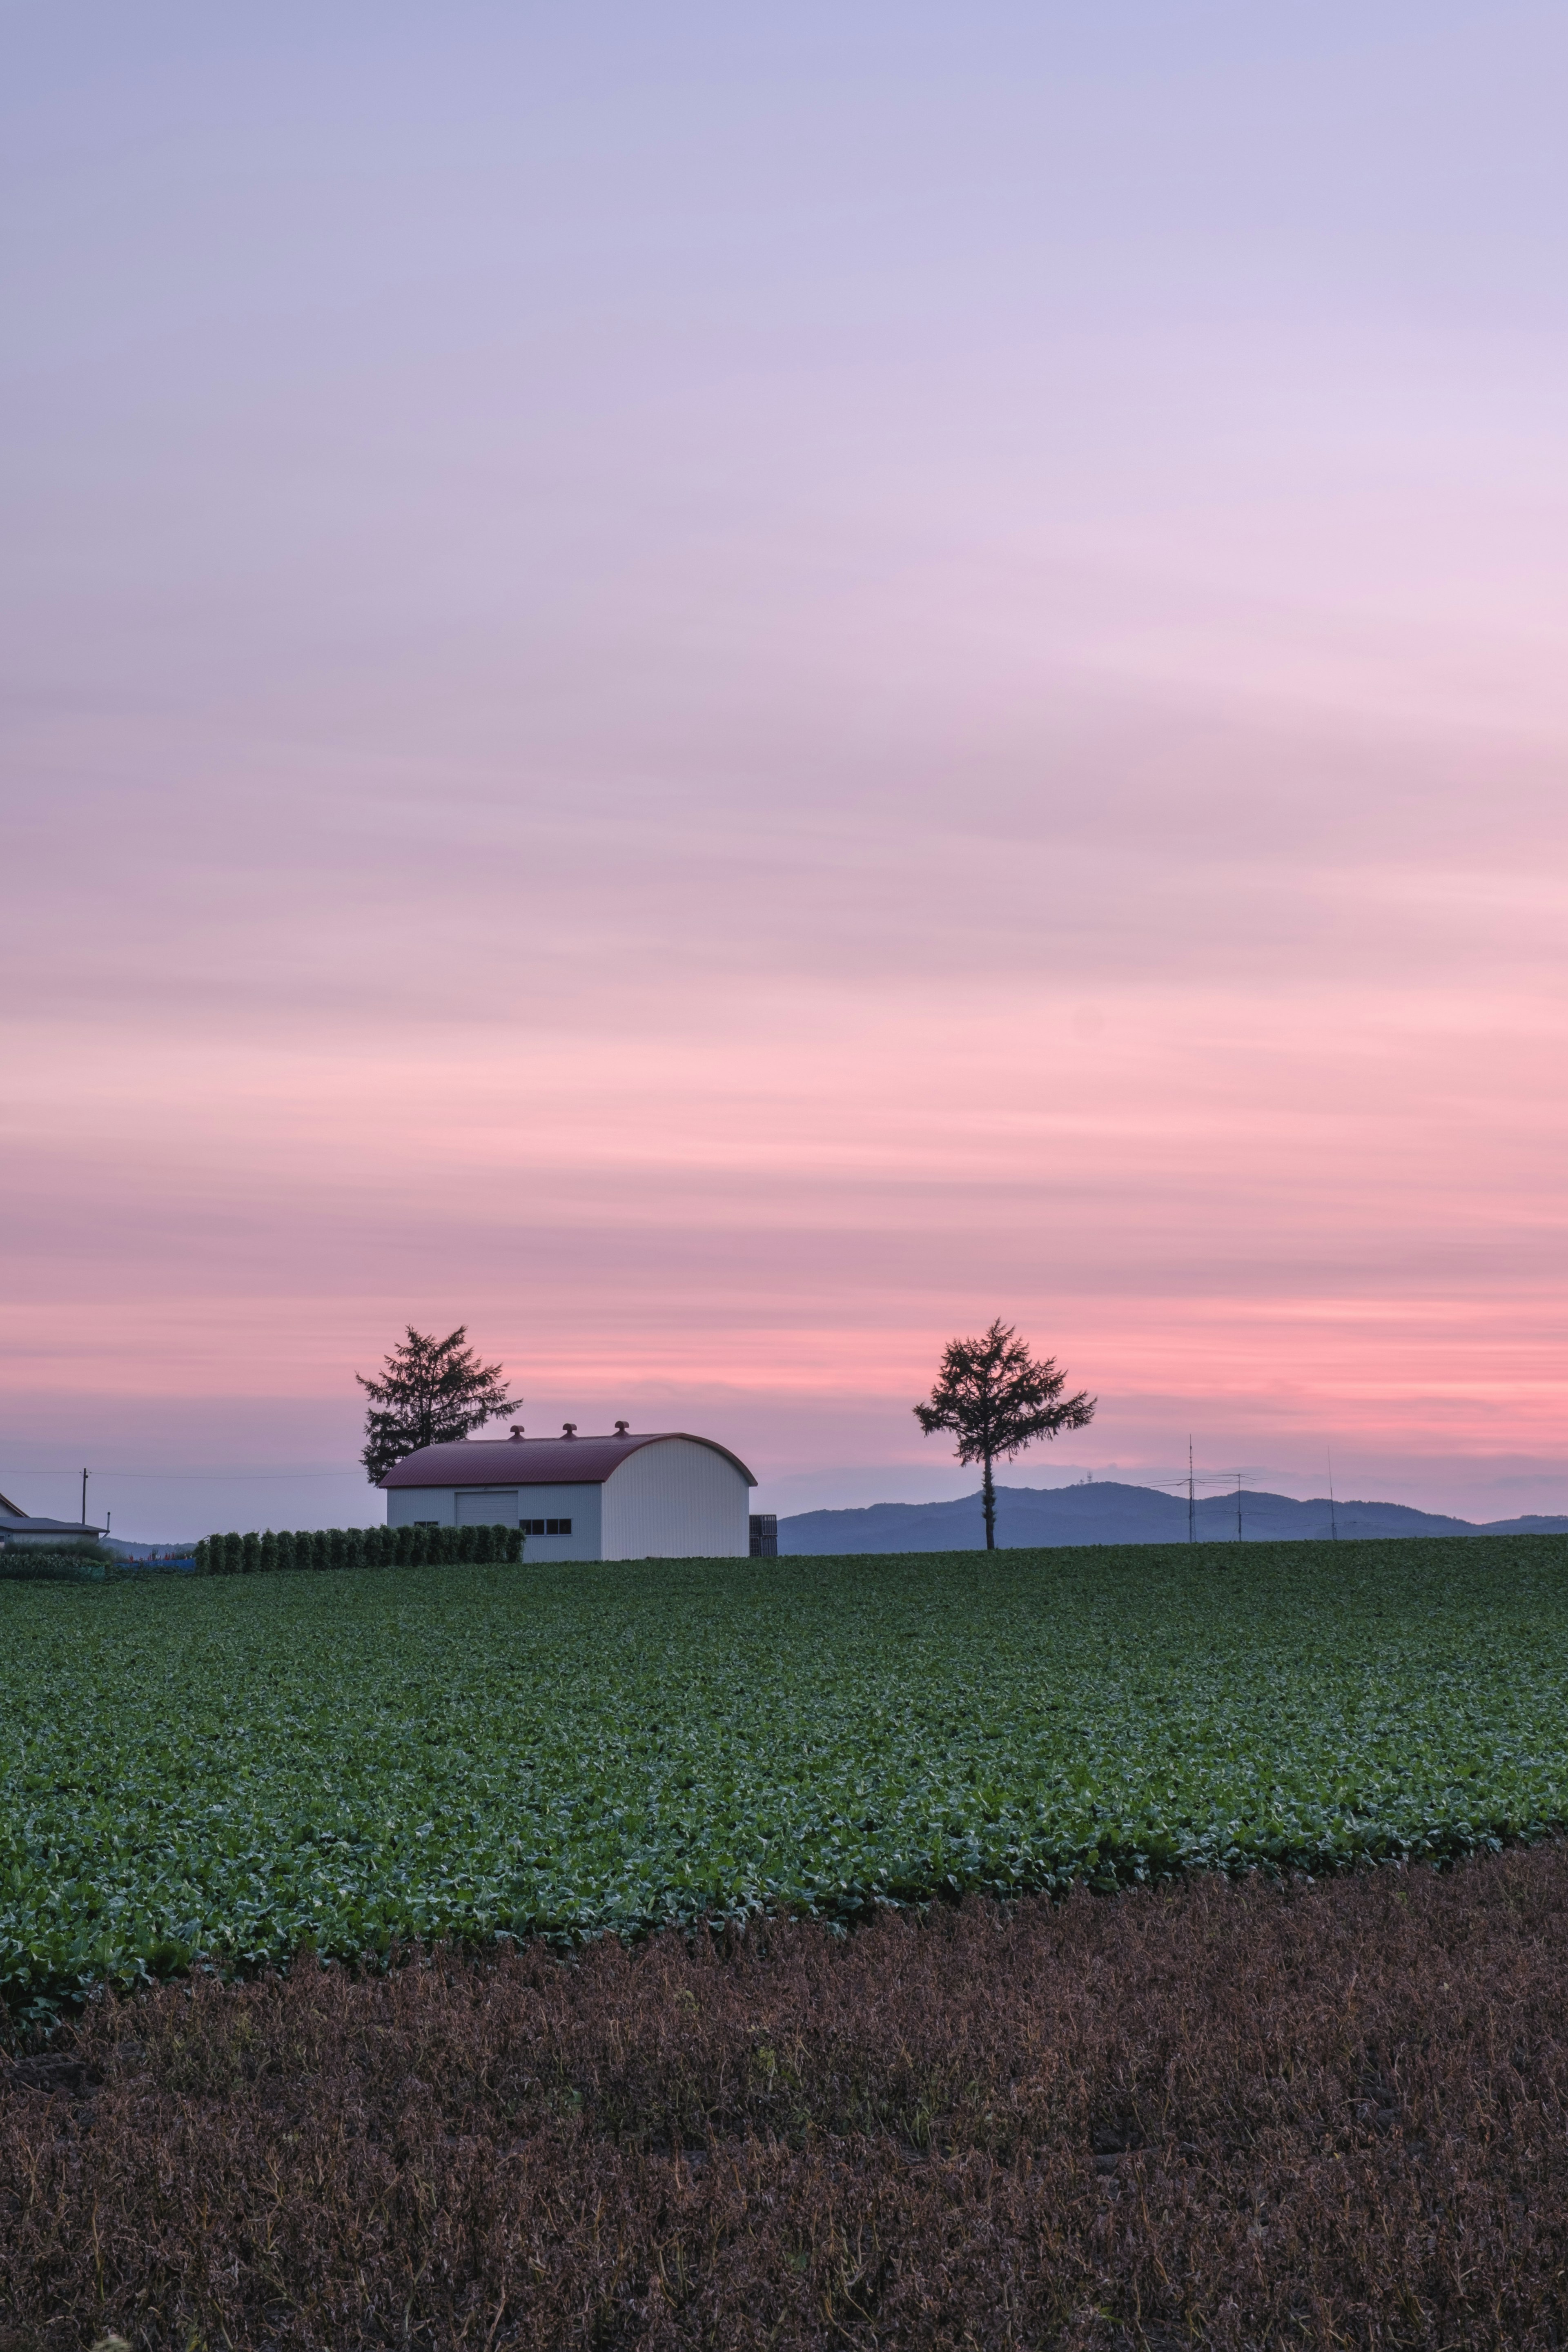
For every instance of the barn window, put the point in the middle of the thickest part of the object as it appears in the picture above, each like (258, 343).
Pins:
(557, 1526)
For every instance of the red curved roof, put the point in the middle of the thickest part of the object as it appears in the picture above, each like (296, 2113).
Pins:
(533, 1460)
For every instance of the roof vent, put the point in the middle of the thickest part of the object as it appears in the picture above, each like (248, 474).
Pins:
(569, 1428)
(622, 1427)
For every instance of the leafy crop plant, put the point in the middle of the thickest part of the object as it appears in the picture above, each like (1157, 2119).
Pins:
(238, 1769)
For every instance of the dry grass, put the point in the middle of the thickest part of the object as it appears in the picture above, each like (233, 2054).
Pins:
(1235, 2117)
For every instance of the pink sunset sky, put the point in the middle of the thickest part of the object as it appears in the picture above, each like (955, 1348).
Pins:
(723, 689)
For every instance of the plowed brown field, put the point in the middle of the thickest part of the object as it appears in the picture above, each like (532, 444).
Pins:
(1226, 2115)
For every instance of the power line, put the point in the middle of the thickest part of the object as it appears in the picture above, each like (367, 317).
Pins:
(198, 1477)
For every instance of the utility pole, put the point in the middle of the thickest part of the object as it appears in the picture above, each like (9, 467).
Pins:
(1238, 1534)
(84, 1498)
(1333, 1517)
(1192, 1499)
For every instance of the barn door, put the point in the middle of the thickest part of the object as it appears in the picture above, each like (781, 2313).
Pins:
(485, 1506)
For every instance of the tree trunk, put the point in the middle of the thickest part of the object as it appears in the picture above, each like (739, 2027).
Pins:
(988, 1498)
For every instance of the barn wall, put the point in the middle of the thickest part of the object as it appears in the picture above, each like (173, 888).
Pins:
(404, 1505)
(677, 1501)
(504, 1506)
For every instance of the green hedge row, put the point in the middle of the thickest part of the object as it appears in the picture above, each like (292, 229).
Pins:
(38, 1564)
(259, 1555)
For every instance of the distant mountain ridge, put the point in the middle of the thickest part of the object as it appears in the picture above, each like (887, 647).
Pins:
(1108, 1513)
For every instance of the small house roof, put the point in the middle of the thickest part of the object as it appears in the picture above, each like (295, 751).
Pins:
(18, 1523)
(535, 1461)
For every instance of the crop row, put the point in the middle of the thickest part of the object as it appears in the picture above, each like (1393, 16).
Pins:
(237, 1769)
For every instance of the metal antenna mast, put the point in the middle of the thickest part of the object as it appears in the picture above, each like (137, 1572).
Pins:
(84, 1498)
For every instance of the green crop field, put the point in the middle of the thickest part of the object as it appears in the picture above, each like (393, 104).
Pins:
(237, 1768)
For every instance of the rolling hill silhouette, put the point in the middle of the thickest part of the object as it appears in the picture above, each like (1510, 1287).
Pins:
(1109, 1512)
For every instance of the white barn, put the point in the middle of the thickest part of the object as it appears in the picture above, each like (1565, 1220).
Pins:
(664, 1497)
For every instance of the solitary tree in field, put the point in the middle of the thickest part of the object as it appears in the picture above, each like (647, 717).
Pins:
(995, 1399)
(430, 1391)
